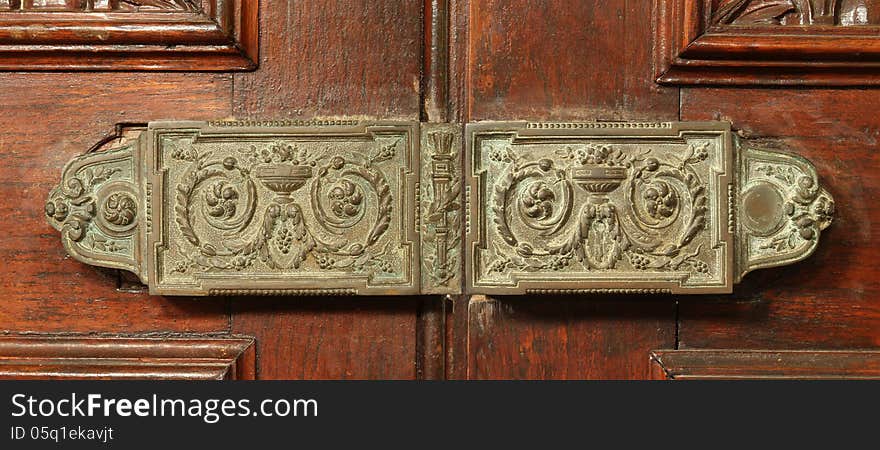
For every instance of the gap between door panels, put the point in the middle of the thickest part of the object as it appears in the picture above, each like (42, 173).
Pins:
(445, 84)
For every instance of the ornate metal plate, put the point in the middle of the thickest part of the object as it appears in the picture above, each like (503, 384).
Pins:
(441, 206)
(631, 208)
(228, 208)
(345, 207)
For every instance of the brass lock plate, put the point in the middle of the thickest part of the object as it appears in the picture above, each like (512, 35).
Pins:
(601, 207)
(347, 207)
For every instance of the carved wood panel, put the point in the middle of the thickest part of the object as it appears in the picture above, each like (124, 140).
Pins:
(796, 12)
(100, 5)
(204, 35)
(773, 42)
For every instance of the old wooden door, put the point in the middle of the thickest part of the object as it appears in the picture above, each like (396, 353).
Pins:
(70, 76)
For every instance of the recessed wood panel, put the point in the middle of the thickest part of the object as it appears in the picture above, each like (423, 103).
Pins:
(203, 35)
(331, 337)
(58, 116)
(335, 58)
(829, 300)
(563, 59)
(758, 42)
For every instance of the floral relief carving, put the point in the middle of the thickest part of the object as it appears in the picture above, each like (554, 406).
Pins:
(96, 209)
(344, 208)
(282, 238)
(595, 235)
(101, 5)
(783, 208)
(796, 12)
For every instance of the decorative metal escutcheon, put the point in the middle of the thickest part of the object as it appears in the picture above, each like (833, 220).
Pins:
(346, 207)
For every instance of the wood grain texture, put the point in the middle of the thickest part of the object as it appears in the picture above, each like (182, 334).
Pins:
(795, 12)
(764, 364)
(335, 58)
(212, 35)
(457, 63)
(694, 47)
(563, 59)
(126, 358)
(566, 60)
(830, 300)
(331, 337)
(356, 58)
(456, 321)
(435, 62)
(57, 116)
(430, 335)
(565, 337)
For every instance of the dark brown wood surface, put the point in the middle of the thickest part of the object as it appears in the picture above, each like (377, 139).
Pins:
(765, 364)
(331, 338)
(829, 300)
(335, 58)
(356, 58)
(49, 118)
(565, 338)
(498, 60)
(561, 59)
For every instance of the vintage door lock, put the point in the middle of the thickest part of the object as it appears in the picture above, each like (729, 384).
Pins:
(343, 207)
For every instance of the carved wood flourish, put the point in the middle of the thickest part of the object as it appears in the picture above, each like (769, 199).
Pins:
(795, 12)
(99, 5)
(768, 42)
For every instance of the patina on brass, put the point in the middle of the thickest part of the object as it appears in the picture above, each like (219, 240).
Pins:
(346, 207)
(441, 205)
(200, 208)
(632, 208)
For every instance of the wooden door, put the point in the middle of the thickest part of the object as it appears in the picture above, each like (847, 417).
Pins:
(442, 61)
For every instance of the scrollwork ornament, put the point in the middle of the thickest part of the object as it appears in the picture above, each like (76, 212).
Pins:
(284, 240)
(73, 207)
(95, 207)
(383, 207)
(568, 202)
(120, 209)
(199, 208)
(599, 238)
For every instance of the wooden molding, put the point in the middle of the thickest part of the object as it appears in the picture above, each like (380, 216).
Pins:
(693, 48)
(127, 358)
(764, 364)
(222, 37)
